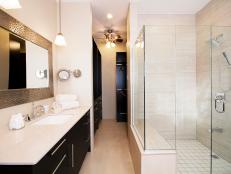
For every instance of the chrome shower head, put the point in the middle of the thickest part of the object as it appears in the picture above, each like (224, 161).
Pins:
(217, 41)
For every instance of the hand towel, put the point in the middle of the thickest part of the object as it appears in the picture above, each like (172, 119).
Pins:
(69, 104)
(65, 98)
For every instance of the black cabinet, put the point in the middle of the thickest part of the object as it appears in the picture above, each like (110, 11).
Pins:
(97, 86)
(79, 143)
(66, 157)
(97, 112)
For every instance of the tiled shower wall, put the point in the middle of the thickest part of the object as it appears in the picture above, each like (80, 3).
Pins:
(171, 80)
(203, 85)
(216, 13)
(170, 53)
(138, 90)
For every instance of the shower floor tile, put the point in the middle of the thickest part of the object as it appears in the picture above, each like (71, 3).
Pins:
(194, 158)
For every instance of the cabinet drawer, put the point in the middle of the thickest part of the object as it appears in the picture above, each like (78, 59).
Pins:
(61, 167)
(57, 154)
(52, 159)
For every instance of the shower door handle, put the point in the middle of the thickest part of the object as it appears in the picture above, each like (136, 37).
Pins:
(220, 102)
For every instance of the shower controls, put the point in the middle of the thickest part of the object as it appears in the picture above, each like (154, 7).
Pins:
(218, 130)
(220, 102)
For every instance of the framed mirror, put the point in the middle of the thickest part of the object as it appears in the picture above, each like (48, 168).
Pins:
(25, 64)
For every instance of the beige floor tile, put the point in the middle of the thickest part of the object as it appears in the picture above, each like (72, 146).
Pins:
(111, 152)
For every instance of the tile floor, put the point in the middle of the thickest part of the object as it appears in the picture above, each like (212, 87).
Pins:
(111, 153)
(194, 158)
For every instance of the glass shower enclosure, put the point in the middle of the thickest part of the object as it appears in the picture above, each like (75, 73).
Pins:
(182, 95)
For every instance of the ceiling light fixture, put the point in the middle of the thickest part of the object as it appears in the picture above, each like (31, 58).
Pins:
(111, 38)
(140, 44)
(110, 44)
(60, 40)
(109, 16)
(113, 44)
(10, 4)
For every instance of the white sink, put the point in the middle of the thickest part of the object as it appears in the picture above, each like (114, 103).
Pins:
(54, 120)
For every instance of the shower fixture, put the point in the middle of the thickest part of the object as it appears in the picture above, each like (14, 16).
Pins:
(226, 57)
(217, 43)
(218, 40)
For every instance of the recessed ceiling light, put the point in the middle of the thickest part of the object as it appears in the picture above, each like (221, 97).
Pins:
(109, 16)
(10, 4)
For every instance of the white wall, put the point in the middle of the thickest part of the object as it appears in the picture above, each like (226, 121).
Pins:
(40, 16)
(77, 29)
(108, 58)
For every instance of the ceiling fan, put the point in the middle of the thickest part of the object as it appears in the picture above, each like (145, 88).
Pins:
(110, 37)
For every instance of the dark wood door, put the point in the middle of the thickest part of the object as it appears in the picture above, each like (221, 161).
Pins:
(121, 86)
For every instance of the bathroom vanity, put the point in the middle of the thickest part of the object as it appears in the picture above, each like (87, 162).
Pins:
(51, 144)
(48, 148)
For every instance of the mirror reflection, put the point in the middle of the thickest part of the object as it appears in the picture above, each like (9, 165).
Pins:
(23, 64)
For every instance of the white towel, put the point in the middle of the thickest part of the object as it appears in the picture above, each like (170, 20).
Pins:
(16, 121)
(69, 105)
(65, 98)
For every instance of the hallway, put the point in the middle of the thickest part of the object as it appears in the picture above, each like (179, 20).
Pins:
(111, 153)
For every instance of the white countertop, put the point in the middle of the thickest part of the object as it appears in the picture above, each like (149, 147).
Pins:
(30, 144)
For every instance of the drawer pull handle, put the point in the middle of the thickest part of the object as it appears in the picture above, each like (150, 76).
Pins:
(59, 164)
(72, 156)
(57, 148)
(87, 123)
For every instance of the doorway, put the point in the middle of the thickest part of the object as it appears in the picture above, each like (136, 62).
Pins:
(121, 86)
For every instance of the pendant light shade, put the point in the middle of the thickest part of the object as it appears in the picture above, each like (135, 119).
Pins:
(113, 44)
(10, 4)
(60, 40)
(110, 44)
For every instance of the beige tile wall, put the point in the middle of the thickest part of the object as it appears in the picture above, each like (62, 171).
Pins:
(203, 85)
(171, 80)
(216, 13)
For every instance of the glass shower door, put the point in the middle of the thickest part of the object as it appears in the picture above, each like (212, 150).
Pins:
(138, 88)
(221, 100)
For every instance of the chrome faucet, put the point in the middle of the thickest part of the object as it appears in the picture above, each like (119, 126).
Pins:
(37, 111)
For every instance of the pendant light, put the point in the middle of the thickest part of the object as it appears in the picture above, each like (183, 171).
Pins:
(60, 40)
(10, 4)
